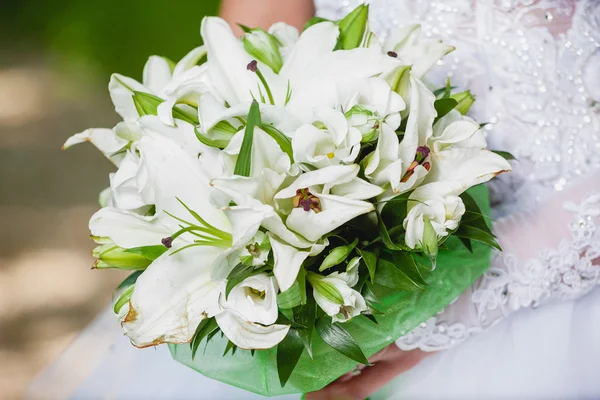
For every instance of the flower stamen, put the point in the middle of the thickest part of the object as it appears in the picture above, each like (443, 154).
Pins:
(307, 201)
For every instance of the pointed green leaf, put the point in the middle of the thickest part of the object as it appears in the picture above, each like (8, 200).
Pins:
(504, 154)
(340, 340)
(206, 327)
(370, 260)
(305, 315)
(353, 27)
(282, 140)
(473, 215)
(229, 347)
(130, 280)
(479, 235)
(219, 143)
(123, 299)
(147, 104)
(399, 272)
(290, 298)
(314, 21)
(443, 107)
(289, 351)
(243, 166)
(467, 244)
(237, 275)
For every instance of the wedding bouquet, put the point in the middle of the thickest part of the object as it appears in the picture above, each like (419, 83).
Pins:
(290, 203)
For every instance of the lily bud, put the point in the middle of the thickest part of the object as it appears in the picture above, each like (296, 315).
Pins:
(333, 294)
(430, 220)
(264, 47)
(465, 101)
(111, 256)
(337, 255)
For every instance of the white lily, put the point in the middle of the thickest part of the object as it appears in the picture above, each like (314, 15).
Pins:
(369, 103)
(183, 83)
(406, 44)
(257, 251)
(456, 130)
(441, 214)
(328, 140)
(286, 35)
(157, 308)
(342, 303)
(314, 205)
(250, 313)
(309, 75)
(402, 164)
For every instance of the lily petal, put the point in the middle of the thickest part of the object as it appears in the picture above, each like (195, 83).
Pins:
(227, 62)
(126, 229)
(248, 335)
(336, 211)
(121, 90)
(171, 297)
(457, 169)
(288, 261)
(105, 140)
(157, 74)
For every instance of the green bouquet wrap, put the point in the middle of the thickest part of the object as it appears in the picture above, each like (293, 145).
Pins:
(457, 268)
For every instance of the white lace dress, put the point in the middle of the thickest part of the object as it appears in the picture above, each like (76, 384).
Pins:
(534, 66)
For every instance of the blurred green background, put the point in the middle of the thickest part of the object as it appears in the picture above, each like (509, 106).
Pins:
(56, 57)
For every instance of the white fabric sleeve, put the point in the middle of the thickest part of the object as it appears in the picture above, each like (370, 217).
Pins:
(550, 253)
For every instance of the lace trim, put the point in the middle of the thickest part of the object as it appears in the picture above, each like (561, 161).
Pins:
(564, 273)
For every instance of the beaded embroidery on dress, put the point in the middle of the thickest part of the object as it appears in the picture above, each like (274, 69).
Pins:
(533, 66)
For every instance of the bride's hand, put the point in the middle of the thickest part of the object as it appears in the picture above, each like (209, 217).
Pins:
(387, 364)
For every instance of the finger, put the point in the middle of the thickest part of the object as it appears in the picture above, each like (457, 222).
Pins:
(390, 363)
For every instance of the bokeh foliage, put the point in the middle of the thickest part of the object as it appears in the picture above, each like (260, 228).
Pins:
(108, 35)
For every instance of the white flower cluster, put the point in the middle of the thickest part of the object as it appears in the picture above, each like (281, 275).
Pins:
(236, 164)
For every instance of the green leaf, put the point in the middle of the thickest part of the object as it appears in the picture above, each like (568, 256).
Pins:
(399, 272)
(370, 260)
(147, 104)
(504, 154)
(289, 351)
(206, 327)
(353, 27)
(243, 166)
(467, 244)
(314, 21)
(282, 140)
(237, 275)
(148, 252)
(290, 298)
(340, 340)
(229, 347)
(443, 107)
(473, 215)
(123, 299)
(337, 255)
(217, 143)
(130, 280)
(371, 300)
(305, 315)
(385, 237)
(479, 235)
